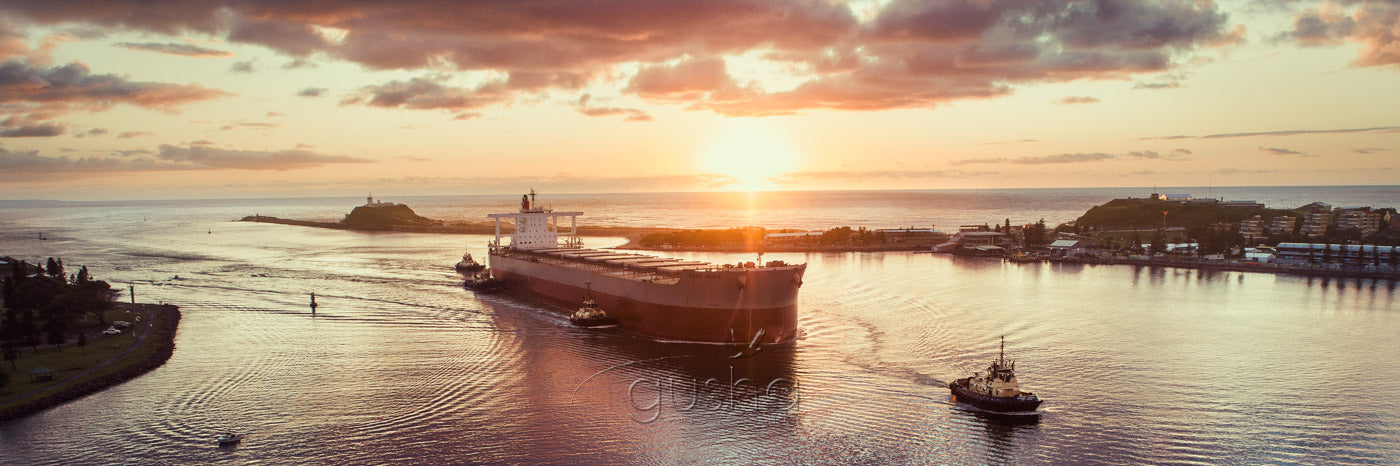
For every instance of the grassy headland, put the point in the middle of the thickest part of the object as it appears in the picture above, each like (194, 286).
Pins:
(103, 362)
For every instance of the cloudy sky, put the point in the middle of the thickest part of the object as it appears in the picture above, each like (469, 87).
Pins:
(207, 98)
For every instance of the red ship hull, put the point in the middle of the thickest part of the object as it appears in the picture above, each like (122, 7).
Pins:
(721, 315)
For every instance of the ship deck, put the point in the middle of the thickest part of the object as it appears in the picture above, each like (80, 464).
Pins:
(639, 267)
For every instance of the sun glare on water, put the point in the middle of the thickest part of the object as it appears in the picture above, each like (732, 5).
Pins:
(751, 155)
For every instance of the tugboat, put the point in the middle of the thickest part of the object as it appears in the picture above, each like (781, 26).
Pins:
(995, 390)
(469, 265)
(590, 315)
(482, 282)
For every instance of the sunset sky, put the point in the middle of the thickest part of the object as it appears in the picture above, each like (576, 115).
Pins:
(192, 98)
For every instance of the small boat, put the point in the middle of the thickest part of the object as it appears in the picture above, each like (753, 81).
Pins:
(230, 439)
(482, 282)
(1022, 257)
(469, 265)
(590, 315)
(997, 389)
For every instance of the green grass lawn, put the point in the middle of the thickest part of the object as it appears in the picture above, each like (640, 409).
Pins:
(71, 359)
(1125, 237)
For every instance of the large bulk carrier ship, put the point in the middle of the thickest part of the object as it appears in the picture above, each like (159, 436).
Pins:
(667, 299)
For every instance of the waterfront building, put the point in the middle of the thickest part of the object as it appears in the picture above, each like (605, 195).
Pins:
(1069, 247)
(1363, 219)
(1177, 197)
(1179, 248)
(1252, 228)
(1316, 207)
(1260, 254)
(1282, 225)
(1246, 204)
(1315, 224)
(1355, 254)
(977, 238)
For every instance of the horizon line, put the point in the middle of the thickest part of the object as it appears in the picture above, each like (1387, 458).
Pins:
(1149, 189)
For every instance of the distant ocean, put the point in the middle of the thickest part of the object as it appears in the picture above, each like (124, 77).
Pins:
(774, 209)
(402, 365)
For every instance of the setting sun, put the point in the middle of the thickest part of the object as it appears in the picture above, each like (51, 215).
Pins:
(751, 153)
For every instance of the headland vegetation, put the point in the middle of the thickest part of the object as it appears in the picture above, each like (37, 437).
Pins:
(63, 337)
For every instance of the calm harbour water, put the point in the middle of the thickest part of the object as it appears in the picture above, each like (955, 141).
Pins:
(403, 365)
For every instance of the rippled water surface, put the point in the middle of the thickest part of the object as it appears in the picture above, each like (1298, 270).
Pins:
(403, 365)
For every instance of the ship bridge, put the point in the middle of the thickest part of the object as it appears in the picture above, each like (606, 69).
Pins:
(537, 228)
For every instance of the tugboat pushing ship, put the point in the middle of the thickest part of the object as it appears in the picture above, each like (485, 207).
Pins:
(666, 299)
(590, 315)
(996, 389)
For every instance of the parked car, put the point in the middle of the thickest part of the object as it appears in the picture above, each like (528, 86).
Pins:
(111, 331)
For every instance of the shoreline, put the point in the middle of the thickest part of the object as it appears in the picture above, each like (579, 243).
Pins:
(158, 335)
(632, 234)
(1259, 267)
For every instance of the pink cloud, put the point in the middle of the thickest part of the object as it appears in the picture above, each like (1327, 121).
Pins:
(631, 114)
(912, 54)
(1375, 24)
(73, 85)
(689, 79)
(187, 50)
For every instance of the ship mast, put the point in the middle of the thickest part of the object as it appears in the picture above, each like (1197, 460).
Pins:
(1001, 360)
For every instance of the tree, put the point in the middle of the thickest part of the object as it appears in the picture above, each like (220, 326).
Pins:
(34, 293)
(27, 332)
(10, 353)
(17, 271)
(95, 299)
(32, 340)
(1159, 242)
(4, 380)
(1035, 233)
(55, 268)
(82, 341)
(55, 330)
(83, 276)
(9, 291)
(840, 235)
